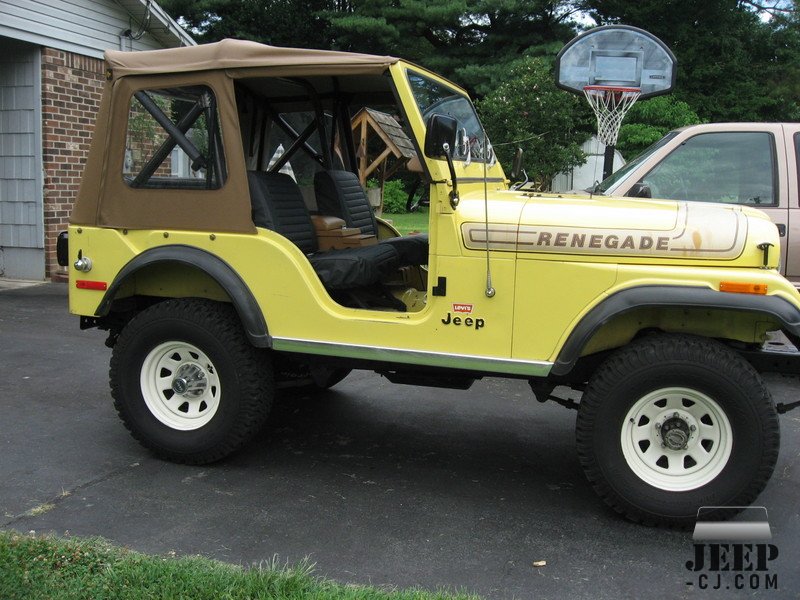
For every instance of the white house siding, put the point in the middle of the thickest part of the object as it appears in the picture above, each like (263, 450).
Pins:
(21, 223)
(586, 175)
(51, 68)
(86, 27)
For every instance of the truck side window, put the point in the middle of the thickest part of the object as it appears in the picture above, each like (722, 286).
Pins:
(728, 167)
(797, 151)
(173, 140)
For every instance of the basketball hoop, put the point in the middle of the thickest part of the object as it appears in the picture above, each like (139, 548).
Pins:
(610, 104)
(614, 66)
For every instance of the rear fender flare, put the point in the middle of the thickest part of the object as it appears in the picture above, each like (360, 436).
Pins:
(242, 298)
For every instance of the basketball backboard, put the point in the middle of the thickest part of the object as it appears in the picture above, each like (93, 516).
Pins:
(616, 56)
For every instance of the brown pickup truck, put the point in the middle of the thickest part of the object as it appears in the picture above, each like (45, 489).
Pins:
(753, 164)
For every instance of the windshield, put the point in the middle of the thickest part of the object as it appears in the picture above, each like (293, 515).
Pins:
(433, 97)
(606, 184)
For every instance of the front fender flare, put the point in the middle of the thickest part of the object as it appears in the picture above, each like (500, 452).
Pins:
(241, 297)
(670, 296)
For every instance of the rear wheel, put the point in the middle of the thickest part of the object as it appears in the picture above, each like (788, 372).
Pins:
(187, 383)
(672, 423)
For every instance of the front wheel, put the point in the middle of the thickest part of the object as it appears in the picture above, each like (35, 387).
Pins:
(673, 423)
(187, 383)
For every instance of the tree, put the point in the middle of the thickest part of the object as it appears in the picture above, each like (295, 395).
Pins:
(737, 59)
(466, 40)
(648, 121)
(732, 64)
(292, 23)
(470, 41)
(527, 110)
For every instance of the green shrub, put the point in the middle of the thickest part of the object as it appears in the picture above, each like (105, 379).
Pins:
(394, 197)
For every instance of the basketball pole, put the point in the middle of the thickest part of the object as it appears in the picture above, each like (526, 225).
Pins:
(608, 161)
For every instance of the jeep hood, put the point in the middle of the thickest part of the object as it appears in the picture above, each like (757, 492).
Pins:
(618, 228)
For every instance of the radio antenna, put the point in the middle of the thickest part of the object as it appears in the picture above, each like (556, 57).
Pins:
(490, 291)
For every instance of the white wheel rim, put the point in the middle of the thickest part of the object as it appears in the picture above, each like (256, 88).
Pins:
(676, 439)
(180, 386)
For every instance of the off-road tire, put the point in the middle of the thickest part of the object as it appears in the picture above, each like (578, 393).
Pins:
(705, 368)
(243, 375)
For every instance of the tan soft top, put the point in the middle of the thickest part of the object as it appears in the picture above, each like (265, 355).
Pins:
(238, 54)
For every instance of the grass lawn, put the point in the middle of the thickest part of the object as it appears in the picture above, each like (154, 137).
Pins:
(408, 222)
(35, 567)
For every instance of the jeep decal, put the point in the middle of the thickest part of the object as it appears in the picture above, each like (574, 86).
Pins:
(476, 322)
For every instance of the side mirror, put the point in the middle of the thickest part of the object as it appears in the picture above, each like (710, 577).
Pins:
(639, 190)
(440, 139)
(441, 130)
(516, 168)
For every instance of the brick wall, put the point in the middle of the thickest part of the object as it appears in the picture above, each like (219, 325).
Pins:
(71, 88)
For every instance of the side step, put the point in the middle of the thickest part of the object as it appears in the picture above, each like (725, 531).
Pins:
(454, 382)
(777, 355)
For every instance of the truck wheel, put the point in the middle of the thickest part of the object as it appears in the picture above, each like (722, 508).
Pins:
(187, 383)
(672, 423)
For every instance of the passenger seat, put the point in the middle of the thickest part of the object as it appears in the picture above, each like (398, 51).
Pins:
(339, 193)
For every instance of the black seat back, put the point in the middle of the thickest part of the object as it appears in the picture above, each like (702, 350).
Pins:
(278, 205)
(339, 193)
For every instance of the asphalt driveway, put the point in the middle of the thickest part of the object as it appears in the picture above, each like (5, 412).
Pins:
(375, 483)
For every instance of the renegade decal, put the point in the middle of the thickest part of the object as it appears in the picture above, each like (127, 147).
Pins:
(466, 321)
(694, 236)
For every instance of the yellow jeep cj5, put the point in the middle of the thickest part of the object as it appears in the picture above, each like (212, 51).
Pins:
(224, 240)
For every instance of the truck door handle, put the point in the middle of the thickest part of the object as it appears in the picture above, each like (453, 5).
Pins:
(781, 229)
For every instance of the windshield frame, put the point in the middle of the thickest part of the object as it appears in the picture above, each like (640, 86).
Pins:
(455, 93)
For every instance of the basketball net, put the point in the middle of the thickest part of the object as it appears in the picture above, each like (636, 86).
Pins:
(610, 104)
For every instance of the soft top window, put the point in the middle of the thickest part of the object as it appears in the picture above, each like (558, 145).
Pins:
(173, 140)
